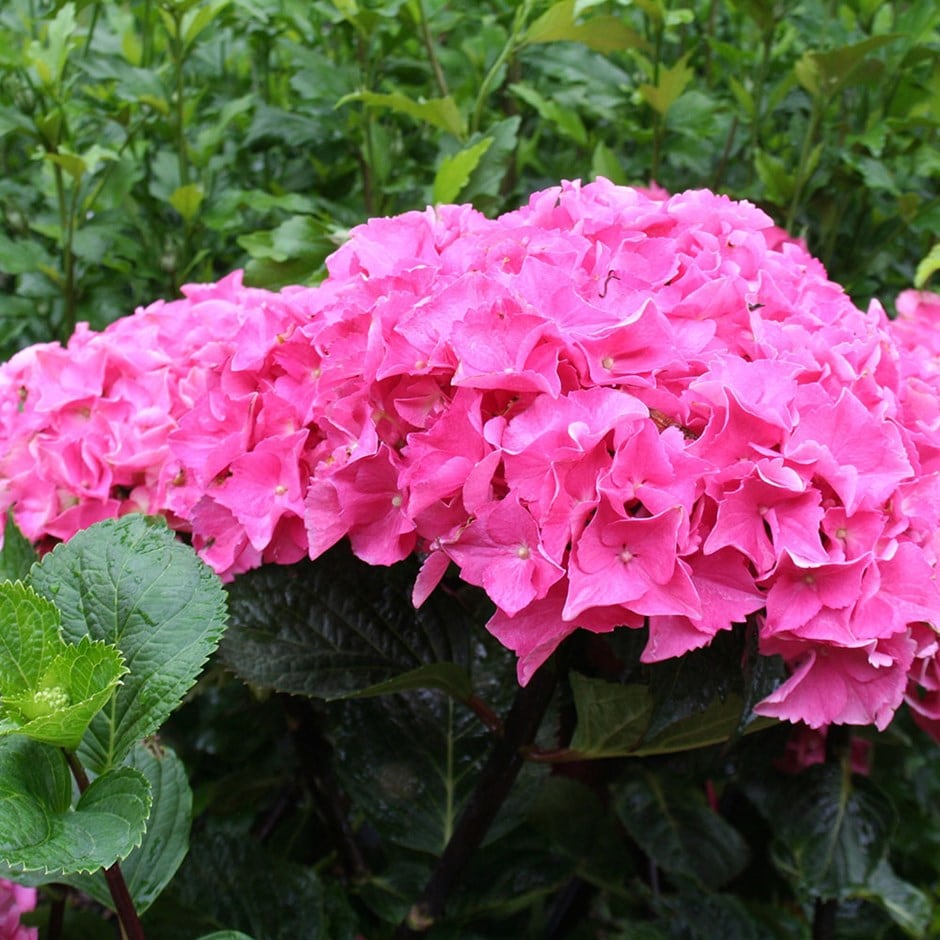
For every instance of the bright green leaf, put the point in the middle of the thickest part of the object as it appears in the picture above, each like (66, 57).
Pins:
(565, 119)
(130, 583)
(295, 238)
(604, 34)
(743, 97)
(438, 112)
(49, 689)
(778, 180)
(927, 267)
(49, 58)
(30, 637)
(186, 200)
(151, 866)
(605, 163)
(21, 255)
(197, 18)
(73, 163)
(670, 85)
(824, 74)
(454, 172)
(68, 694)
(41, 832)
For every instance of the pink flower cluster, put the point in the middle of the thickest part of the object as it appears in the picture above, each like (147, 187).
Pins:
(15, 901)
(608, 408)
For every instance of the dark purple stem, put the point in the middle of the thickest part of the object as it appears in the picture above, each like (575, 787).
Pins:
(123, 903)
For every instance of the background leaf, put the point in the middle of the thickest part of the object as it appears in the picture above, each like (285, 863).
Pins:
(831, 831)
(17, 555)
(612, 718)
(228, 883)
(670, 820)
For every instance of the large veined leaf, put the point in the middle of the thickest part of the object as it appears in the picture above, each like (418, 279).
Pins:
(612, 718)
(230, 885)
(130, 583)
(905, 904)
(831, 830)
(614, 721)
(49, 689)
(674, 825)
(151, 866)
(410, 763)
(338, 626)
(42, 833)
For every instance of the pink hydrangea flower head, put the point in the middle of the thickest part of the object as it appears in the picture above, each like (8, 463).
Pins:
(611, 407)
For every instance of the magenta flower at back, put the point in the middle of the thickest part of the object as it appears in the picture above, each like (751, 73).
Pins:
(15, 901)
(608, 408)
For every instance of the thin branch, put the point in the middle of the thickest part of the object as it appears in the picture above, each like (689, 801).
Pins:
(123, 903)
(495, 782)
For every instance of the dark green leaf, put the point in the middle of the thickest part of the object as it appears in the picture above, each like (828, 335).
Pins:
(831, 831)
(720, 722)
(338, 626)
(570, 816)
(17, 555)
(229, 882)
(689, 685)
(411, 761)
(674, 825)
(905, 904)
(702, 916)
(612, 718)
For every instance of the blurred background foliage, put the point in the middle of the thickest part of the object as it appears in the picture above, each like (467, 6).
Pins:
(150, 143)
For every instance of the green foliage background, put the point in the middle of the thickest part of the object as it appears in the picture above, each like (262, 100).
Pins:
(151, 143)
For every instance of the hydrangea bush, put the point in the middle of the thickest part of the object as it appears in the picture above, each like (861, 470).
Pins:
(612, 407)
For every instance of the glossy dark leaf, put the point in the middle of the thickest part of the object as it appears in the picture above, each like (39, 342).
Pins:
(410, 762)
(338, 626)
(674, 825)
(832, 831)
